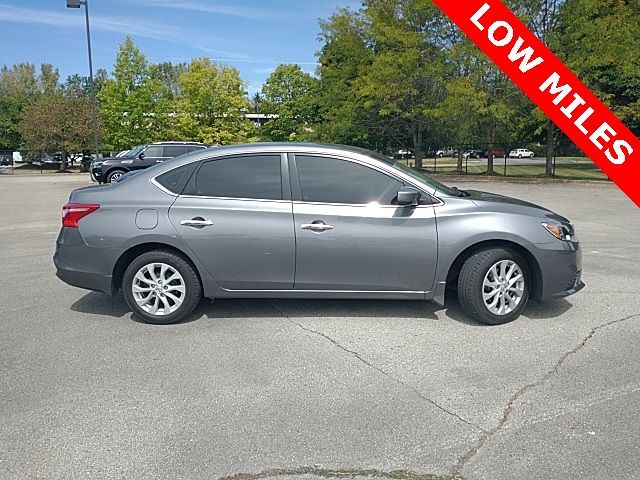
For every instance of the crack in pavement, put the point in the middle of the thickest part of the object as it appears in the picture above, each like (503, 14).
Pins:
(508, 410)
(380, 370)
(337, 473)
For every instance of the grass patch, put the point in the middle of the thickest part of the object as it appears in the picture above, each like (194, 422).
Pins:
(567, 169)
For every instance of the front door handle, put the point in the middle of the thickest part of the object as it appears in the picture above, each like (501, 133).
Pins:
(197, 222)
(317, 226)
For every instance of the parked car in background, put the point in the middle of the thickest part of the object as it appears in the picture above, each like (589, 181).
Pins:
(294, 220)
(52, 159)
(475, 154)
(521, 153)
(498, 153)
(447, 152)
(109, 170)
(403, 154)
(6, 161)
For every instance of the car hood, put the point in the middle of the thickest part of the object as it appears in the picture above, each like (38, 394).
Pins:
(493, 201)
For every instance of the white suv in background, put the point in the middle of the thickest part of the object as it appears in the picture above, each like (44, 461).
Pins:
(521, 153)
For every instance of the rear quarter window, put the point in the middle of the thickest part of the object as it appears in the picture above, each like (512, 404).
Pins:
(176, 179)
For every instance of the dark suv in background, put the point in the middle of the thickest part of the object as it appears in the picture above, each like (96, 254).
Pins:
(109, 170)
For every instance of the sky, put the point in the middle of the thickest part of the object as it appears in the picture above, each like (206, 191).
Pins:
(252, 35)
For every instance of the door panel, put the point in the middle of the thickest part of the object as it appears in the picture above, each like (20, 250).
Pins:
(250, 244)
(152, 154)
(370, 247)
(233, 217)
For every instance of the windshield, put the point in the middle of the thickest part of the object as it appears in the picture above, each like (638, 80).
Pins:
(415, 174)
(134, 151)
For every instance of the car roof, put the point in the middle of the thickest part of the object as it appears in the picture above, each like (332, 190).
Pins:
(177, 143)
(284, 147)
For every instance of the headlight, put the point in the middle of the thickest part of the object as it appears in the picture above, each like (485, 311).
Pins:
(95, 164)
(561, 231)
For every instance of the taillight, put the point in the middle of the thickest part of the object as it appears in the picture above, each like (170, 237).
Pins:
(73, 212)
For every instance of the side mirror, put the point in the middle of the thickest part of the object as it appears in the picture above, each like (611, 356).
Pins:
(408, 196)
(141, 155)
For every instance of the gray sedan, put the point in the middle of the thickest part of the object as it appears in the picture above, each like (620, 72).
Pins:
(284, 220)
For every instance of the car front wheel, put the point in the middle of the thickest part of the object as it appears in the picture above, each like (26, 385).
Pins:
(114, 175)
(494, 286)
(161, 287)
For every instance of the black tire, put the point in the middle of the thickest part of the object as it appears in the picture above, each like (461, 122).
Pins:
(520, 156)
(113, 173)
(192, 294)
(470, 285)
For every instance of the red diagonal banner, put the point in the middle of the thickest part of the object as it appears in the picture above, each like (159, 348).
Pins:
(552, 87)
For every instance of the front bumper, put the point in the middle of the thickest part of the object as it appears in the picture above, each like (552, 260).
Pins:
(561, 267)
(79, 265)
(96, 174)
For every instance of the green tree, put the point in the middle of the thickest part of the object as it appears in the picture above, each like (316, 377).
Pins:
(79, 85)
(598, 39)
(344, 57)
(287, 94)
(168, 74)
(256, 102)
(132, 105)
(49, 79)
(20, 85)
(483, 107)
(57, 123)
(10, 138)
(212, 104)
(542, 16)
(406, 82)
(18, 81)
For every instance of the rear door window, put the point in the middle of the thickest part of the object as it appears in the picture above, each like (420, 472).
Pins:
(175, 151)
(242, 176)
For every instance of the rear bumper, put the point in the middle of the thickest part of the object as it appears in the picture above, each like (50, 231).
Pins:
(80, 279)
(79, 265)
(561, 268)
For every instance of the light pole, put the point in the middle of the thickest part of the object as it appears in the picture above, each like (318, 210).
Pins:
(94, 109)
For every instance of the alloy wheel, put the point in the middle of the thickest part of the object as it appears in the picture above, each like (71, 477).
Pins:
(114, 177)
(503, 287)
(158, 289)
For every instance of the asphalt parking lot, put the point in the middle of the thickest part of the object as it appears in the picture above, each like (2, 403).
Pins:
(305, 389)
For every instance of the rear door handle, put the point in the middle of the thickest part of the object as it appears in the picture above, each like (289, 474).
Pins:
(316, 227)
(197, 222)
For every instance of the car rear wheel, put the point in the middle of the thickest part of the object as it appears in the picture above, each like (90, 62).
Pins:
(494, 286)
(114, 175)
(161, 287)
(520, 155)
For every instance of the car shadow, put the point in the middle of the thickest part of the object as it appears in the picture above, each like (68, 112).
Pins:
(534, 309)
(230, 308)
(97, 303)
(548, 309)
